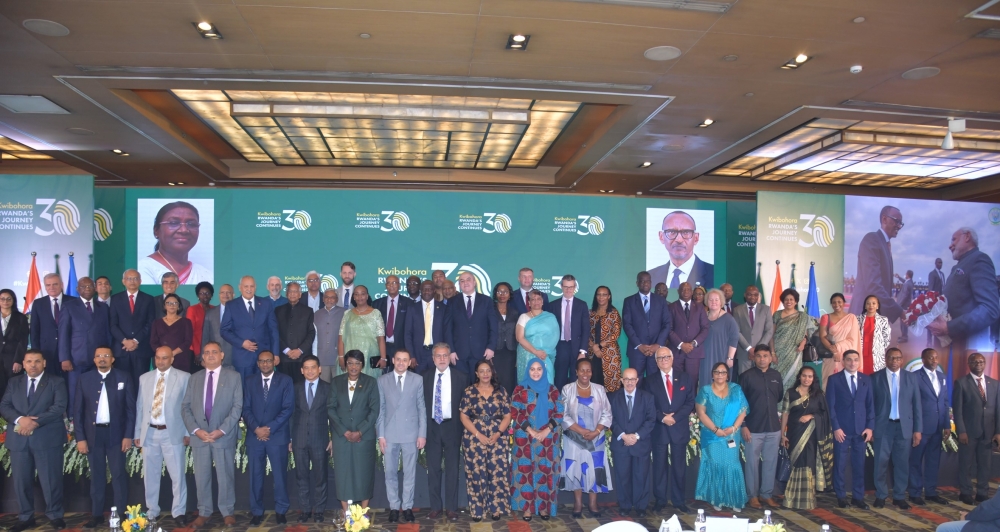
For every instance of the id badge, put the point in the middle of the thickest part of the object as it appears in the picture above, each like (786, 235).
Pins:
(732, 443)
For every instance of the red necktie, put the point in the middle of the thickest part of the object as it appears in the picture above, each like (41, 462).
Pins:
(390, 324)
(670, 388)
(131, 303)
(750, 309)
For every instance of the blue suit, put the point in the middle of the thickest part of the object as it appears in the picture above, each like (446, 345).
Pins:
(275, 413)
(237, 326)
(470, 338)
(644, 329)
(104, 443)
(126, 323)
(925, 459)
(971, 290)
(852, 413)
(44, 331)
(518, 302)
(81, 331)
(632, 462)
(675, 436)
(414, 339)
(894, 437)
(568, 351)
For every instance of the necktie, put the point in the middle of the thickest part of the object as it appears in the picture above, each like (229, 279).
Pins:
(266, 388)
(55, 310)
(209, 396)
(347, 298)
(687, 310)
(310, 395)
(390, 324)
(89, 308)
(675, 281)
(979, 382)
(670, 388)
(428, 323)
(250, 310)
(468, 307)
(438, 411)
(894, 411)
(399, 382)
(629, 397)
(750, 311)
(729, 307)
(31, 392)
(131, 303)
(158, 398)
(645, 305)
(854, 386)
(526, 305)
(567, 324)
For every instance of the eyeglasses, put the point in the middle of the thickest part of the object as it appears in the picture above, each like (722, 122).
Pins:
(174, 225)
(897, 221)
(629, 380)
(720, 372)
(130, 279)
(104, 355)
(671, 234)
(170, 304)
(665, 357)
(7, 299)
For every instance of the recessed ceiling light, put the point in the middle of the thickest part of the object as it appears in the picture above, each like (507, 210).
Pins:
(707, 122)
(662, 53)
(859, 20)
(921, 73)
(27, 104)
(207, 30)
(519, 38)
(801, 58)
(180, 182)
(646, 164)
(518, 42)
(205, 26)
(795, 62)
(365, 35)
(748, 95)
(45, 27)
(602, 190)
(116, 150)
(172, 184)
(730, 57)
(856, 69)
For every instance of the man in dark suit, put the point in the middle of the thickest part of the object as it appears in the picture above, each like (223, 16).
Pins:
(105, 424)
(394, 309)
(268, 402)
(426, 323)
(443, 388)
(34, 405)
(898, 426)
(526, 280)
(310, 430)
(679, 236)
(875, 269)
(904, 297)
(250, 327)
(646, 320)
(131, 320)
(934, 408)
(935, 283)
(473, 332)
(573, 316)
(84, 324)
(44, 319)
(977, 420)
(169, 284)
(633, 415)
(673, 396)
(211, 332)
(852, 416)
(688, 331)
(296, 331)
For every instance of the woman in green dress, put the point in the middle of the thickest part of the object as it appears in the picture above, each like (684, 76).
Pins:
(537, 334)
(353, 409)
(721, 407)
(362, 329)
(792, 328)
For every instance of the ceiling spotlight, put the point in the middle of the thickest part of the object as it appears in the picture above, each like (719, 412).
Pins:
(207, 30)
(955, 125)
(365, 35)
(856, 69)
(608, 191)
(172, 184)
(801, 58)
(180, 182)
(859, 20)
(646, 164)
(121, 153)
(730, 58)
(518, 42)
(116, 150)
(707, 122)
(795, 62)
(204, 26)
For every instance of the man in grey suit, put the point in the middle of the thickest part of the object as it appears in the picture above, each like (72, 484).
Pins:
(904, 297)
(213, 317)
(169, 284)
(935, 283)
(977, 422)
(401, 416)
(211, 410)
(756, 327)
(161, 434)
(311, 439)
(327, 320)
(898, 426)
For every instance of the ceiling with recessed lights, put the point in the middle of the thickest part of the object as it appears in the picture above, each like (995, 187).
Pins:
(721, 99)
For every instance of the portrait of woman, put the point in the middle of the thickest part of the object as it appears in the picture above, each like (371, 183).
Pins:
(176, 231)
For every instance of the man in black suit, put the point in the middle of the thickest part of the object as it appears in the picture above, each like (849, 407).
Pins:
(426, 323)
(646, 321)
(974, 403)
(633, 415)
(311, 439)
(935, 283)
(904, 297)
(573, 316)
(673, 396)
(679, 236)
(46, 313)
(103, 285)
(394, 309)
(443, 388)
(131, 320)
(526, 280)
(34, 405)
(875, 269)
(105, 424)
(84, 324)
(473, 332)
(688, 331)
(413, 288)
(169, 284)
(295, 332)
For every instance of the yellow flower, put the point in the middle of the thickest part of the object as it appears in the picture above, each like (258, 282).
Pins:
(134, 510)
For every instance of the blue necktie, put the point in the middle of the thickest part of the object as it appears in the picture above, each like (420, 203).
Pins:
(675, 281)
(438, 407)
(310, 395)
(894, 393)
(854, 387)
(250, 311)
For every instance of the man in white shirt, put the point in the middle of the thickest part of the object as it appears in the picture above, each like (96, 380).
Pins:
(394, 309)
(925, 458)
(898, 427)
(526, 282)
(314, 298)
(679, 236)
(104, 290)
(443, 388)
(346, 291)
(44, 320)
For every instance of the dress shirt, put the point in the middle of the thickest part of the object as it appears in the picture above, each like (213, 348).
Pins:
(103, 410)
(399, 378)
(162, 420)
(222, 312)
(52, 304)
(470, 308)
(630, 397)
(568, 302)
(350, 392)
(424, 307)
(340, 296)
(669, 376)
(932, 375)
(750, 312)
(392, 304)
(315, 384)
(27, 389)
(108, 300)
(85, 301)
(763, 391)
(215, 383)
(445, 377)
(687, 303)
(248, 303)
(684, 268)
(848, 375)
(524, 297)
(4, 321)
(981, 383)
(314, 302)
(885, 236)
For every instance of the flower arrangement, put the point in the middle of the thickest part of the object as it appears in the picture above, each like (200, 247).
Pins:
(356, 518)
(694, 446)
(779, 527)
(950, 444)
(135, 519)
(925, 309)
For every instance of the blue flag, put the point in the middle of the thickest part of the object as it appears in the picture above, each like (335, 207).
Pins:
(812, 299)
(71, 282)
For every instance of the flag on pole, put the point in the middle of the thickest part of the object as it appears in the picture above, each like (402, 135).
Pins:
(776, 290)
(759, 284)
(812, 299)
(34, 290)
(792, 285)
(71, 281)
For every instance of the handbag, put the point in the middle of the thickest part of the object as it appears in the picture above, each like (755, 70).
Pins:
(784, 469)
(817, 345)
(810, 354)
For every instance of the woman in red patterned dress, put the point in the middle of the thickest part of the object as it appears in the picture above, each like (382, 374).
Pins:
(536, 415)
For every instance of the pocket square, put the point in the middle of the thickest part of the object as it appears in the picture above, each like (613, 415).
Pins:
(121, 385)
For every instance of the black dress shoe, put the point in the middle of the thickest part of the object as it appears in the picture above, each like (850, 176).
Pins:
(393, 516)
(640, 513)
(23, 525)
(182, 520)
(495, 517)
(841, 503)
(919, 501)
(937, 499)
(967, 499)
(280, 518)
(525, 517)
(304, 517)
(901, 504)
(544, 517)
(408, 515)
(880, 503)
(981, 498)
(257, 520)
(577, 515)
(861, 504)
(94, 521)
(682, 508)
(318, 517)
(477, 519)
(58, 524)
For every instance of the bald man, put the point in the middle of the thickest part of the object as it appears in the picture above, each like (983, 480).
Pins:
(250, 327)
(131, 320)
(679, 236)
(46, 313)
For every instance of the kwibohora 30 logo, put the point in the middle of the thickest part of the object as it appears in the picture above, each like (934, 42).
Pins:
(483, 283)
(287, 219)
(64, 218)
(103, 225)
(488, 222)
(394, 221)
(328, 282)
(583, 224)
(820, 230)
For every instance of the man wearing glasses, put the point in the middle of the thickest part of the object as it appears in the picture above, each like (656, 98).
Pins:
(875, 275)
(679, 236)
(131, 321)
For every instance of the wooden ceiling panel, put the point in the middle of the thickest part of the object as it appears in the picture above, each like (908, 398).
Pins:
(587, 120)
(548, 10)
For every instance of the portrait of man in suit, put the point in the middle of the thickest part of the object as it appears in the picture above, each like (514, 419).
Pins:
(131, 321)
(852, 417)
(633, 417)
(977, 420)
(898, 426)
(573, 316)
(44, 318)
(211, 331)
(310, 430)
(875, 268)
(249, 325)
(402, 431)
(85, 324)
(935, 283)
(679, 235)
(756, 326)
(394, 309)
(268, 401)
(296, 331)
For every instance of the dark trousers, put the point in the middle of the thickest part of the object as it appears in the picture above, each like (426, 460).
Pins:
(425, 359)
(565, 364)
(52, 364)
(668, 479)
(644, 365)
(72, 377)
(49, 462)
(853, 449)
(443, 441)
(105, 453)
(135, 365)
(390, 351)
(467, 365)
(689, 365)
(258, 453)
(312, 482)
(974, 459)
(505, 364)
(292, 368)
(925, 460)
(631, 480)
(893, 447)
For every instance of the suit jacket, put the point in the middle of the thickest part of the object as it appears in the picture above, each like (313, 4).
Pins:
(985, 517)
(905, 294)
(518, 301)
(415, 325)
(643, 329)
(295, 328)
(470, 338)
(14, 342)
(121, 405)
(211, 332)
(681, 406)
(158, 311)
(851, 414)
(935, 281)
(459, 381)
(44, 329)
(402, 416)
(49, 405)
(227, 407)
(80, 332)
(908, 403)
(702, 273)
(133, 325)
(642, 422)
(237, 327)
(404, 304)
(688, 328)
(274, 413)
(360, 415)
(763, 327)
(933, 408)
(981, 421)
(971, 290)
(310, 427)
(580, 316)
(874, 277)
(174, 390)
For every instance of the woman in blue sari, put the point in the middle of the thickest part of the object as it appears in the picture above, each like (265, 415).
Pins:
(537, 334)
(721, 407)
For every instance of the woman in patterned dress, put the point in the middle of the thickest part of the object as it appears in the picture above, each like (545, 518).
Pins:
(485, 413)
(536, 414)
(605, 328)
(585, 459)
(362, 329)
(874, 336)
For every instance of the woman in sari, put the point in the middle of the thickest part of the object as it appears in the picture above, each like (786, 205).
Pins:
(839, 332)
(721, 407)
(874, 334)
(537, 334)
(805, 429)
(536, 415)
(792, 328)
